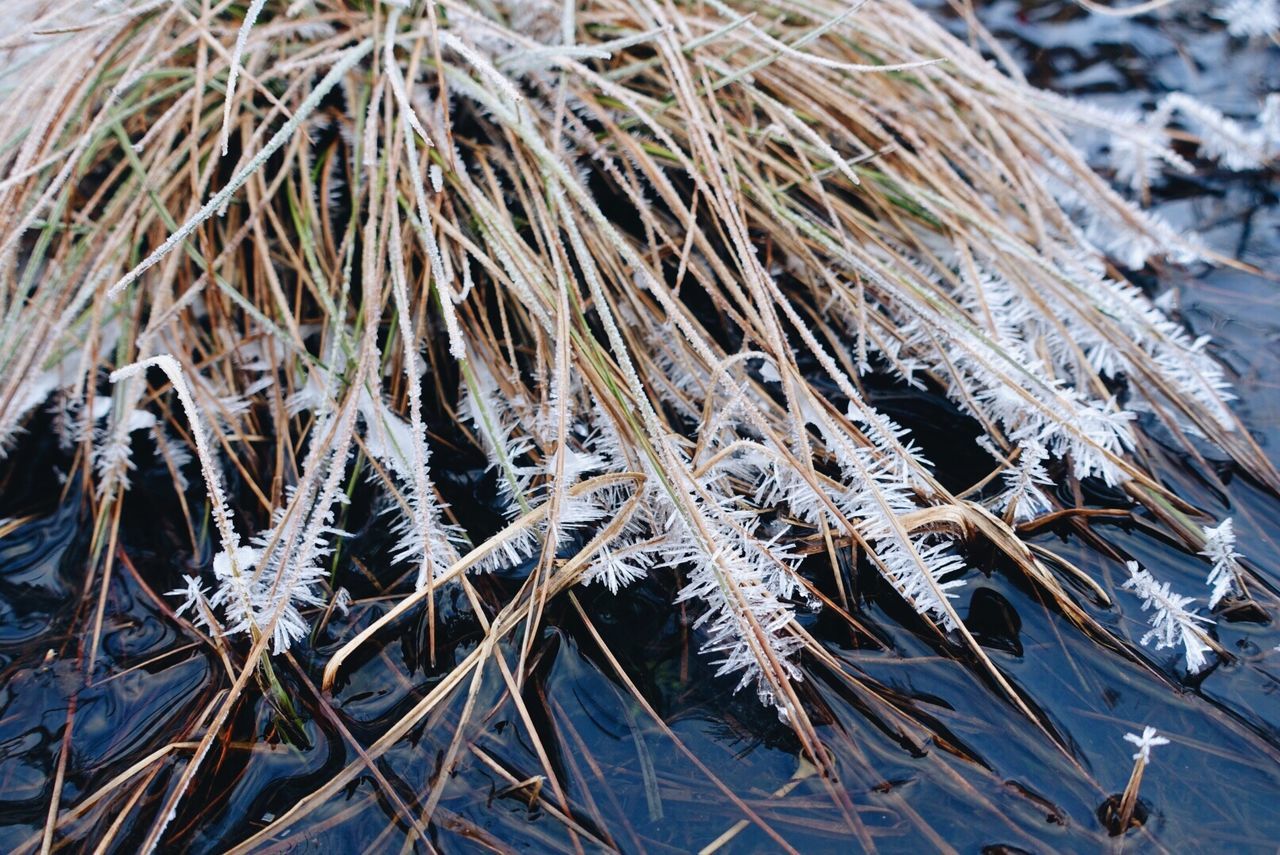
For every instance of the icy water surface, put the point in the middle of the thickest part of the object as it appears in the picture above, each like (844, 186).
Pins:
(990, 781)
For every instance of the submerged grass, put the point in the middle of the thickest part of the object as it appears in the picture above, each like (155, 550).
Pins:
(645, 257)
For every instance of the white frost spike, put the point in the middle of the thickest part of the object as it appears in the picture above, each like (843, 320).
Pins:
(1220, 548)
(616, 568)
(1221, 138)
(1036, 406)
(1023, 482)
(744, 582)
(1145, 742)
(424, 539)
(490, 414)
(437, 178)
(242, 38)
(388, 437)
(1269, 120)
(1138, 152)
(510, 552)
(193, 598)
(113, 446)
(423, 536)
(576, 464)
(175, 455)
(234, 572)
(253, 588)
(1250, 17)
(213, 483)
(1171, 623)
(904, 571)
(247, 596)
(280, 586)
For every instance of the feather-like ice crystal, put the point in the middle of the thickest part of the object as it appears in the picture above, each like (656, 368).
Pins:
(1172, 624)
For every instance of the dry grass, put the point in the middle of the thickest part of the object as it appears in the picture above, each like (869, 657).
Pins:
(643, 253)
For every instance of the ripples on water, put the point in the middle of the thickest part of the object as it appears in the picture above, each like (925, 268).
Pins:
(989, 779)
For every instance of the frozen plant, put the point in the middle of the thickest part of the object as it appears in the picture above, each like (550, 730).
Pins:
(1250, 17)
(1145, 743)
(1222, 138)
(1023, 481)
(1220, 548)
(213, 482)
(1172, 624)
(238, 589)
(490, 414)
(423, 537)
(462, 221)
(1139, 152)
(618, 567)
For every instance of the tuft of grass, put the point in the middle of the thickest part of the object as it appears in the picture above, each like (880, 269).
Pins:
(642, 256)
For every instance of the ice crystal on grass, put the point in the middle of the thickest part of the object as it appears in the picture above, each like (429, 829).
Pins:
(713, 353)
(736, 577)
(916, 569)
(194, 599)
(1250, 17)
(1145, 742)
(491, 416)
(113, 442)
(222, 514)
(1023, 482)
(1222, 138)
(280, 586)
(1220, 548)
(422, 535)
(616, 567)
(258, 588)
(1139, 152)
(251, 595)
(1172, 624)
(176, 456)
(1014, 390)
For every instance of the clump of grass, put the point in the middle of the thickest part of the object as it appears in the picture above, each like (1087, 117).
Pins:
(644, 256)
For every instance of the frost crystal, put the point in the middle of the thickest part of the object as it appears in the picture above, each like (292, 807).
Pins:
(916, 573)
(248, 598)
(1023, 482)
(1222, 138)
(1145, 743)
(1171, 623)
(1138, 154)
(1250, 17)
(194, 598)
(1220, 548)
(615, 568)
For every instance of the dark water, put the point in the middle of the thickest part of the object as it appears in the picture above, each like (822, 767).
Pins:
(945, 759)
